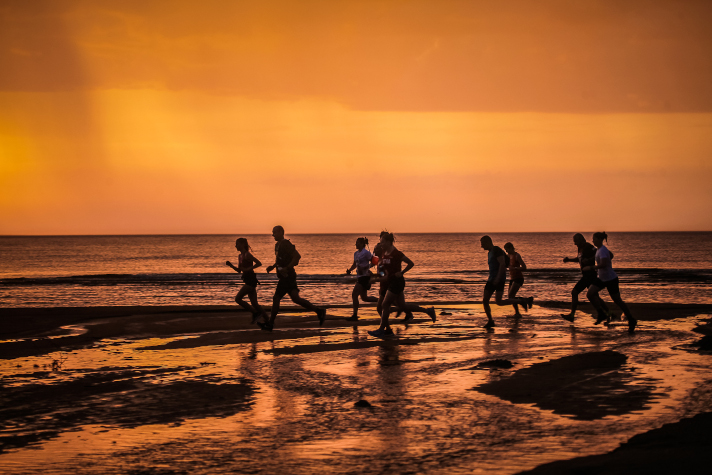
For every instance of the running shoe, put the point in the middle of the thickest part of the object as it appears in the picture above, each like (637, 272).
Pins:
(603, 317)
(388, 332)
(489, 324)
(380, 333)
(321, 313)
(352, 318)
(632, 323)
(255, 316)
(530, 302)
(431, 312)
(266, 326)
(568, 317)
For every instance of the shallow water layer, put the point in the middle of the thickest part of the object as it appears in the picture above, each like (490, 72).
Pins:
(179, 405)
(190, 270)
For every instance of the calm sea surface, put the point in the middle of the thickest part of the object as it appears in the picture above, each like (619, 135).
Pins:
(65, 271)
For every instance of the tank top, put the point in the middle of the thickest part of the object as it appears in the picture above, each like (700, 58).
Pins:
(392, 262)
(515, 271)
(246, 261)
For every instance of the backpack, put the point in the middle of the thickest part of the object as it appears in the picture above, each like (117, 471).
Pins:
(285, 252)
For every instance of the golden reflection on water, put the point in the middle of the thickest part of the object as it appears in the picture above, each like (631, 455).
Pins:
(298, 411)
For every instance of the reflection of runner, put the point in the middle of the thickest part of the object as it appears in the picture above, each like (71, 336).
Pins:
(496, 260)
(607, 279)
(362, 264)
(587, 260)
(393, 286)
(516, 278)
(246, 264)
(286, 257)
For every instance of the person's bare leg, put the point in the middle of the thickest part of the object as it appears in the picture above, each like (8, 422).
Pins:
(513, 288)
(358, 289)
(275, 310)
(367, 298)
(240, 298)
(632, 322)
(320, 312)
(598, 304)
(259, 311)
(486, 295)
(569, 317)
(574, 303)
(580, 286)
(294, 295)
(519, 300)
(409, 308)
(387, 302)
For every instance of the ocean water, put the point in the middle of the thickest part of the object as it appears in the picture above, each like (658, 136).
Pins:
(68, 271)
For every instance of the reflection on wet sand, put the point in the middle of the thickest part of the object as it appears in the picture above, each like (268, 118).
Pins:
(587, 386)
(196, 403)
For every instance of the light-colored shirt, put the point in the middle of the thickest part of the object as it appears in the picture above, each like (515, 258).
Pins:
(606, 273)
(362, 259)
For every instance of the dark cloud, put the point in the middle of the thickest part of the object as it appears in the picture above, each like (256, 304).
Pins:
(555, 56)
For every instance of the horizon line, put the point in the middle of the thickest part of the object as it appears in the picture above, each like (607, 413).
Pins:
(347, 232)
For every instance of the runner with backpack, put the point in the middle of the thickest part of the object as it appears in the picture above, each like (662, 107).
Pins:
(286, 258)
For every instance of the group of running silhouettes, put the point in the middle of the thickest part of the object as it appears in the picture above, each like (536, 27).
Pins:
(594, 259)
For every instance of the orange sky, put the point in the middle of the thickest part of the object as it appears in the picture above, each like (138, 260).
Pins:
(230, 117)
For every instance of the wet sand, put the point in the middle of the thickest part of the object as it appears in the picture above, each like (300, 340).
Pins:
(198, 389)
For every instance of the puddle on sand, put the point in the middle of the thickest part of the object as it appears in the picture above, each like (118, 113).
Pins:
(288, 404)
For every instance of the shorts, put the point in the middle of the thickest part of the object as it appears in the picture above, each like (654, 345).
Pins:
(519, 280)
(613, 286)
(395, 285)
(285, 285)
(365, 282)
(249, 278)
(584, 282)
(495, 288)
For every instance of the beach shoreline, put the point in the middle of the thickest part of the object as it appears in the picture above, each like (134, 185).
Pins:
(34, 322)
(599, 364)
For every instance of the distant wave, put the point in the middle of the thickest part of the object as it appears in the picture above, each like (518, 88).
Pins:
(649, 275)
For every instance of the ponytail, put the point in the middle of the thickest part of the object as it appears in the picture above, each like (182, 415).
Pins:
(388, 236)
(364, 240)
(243, 241)
(602, 236)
